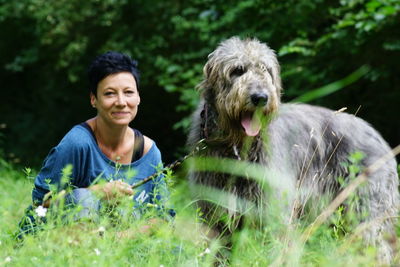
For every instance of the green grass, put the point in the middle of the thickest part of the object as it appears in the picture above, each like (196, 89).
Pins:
(181, 243)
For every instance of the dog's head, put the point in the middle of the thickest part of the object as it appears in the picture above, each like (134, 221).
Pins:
(242, 77)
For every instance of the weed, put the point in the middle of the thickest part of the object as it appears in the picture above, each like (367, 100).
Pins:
(117, 239)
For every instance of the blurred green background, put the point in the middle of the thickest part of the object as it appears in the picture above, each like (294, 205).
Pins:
(46, 46)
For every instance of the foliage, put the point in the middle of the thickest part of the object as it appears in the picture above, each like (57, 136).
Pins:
(44, 52)
(332, 87)
(121, 241)
(50, 43)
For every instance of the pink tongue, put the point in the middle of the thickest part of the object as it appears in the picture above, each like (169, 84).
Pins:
(251, 125)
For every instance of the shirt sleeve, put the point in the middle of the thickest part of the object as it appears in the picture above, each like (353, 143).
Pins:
(159, 190)
(160, 193)
(44, 178)
(58, 170)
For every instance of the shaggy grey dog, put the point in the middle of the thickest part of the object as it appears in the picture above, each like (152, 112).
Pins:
(303, 149)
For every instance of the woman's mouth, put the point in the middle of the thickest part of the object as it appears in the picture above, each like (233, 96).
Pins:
(120, 114)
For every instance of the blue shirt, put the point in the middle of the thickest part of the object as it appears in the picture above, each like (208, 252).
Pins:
(79, 149)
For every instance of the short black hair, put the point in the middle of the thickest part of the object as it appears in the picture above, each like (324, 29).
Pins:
(109, 63)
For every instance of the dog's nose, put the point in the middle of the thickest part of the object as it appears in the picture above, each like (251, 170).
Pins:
(259, 99)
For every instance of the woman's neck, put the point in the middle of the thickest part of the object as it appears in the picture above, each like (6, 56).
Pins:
(109, 136)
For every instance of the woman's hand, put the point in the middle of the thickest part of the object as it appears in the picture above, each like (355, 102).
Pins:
(113, 189)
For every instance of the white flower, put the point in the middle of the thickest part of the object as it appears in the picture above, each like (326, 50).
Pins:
(97, 251)
(206, 251)
(40, 211)
(101, 230)
(8, 259)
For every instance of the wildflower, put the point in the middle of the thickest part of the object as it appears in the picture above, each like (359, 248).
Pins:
(101, 230)
(206, 251)
(150, 205)
(97, 251)
(40, 211)
(8, 259)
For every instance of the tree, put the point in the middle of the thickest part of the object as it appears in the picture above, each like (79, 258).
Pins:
(49, 44)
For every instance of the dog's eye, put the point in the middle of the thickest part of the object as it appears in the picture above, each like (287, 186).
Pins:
(238, 71)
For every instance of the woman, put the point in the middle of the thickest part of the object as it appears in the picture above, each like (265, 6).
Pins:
(105, 147)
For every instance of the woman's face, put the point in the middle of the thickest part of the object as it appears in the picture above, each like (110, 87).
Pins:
(117, 99)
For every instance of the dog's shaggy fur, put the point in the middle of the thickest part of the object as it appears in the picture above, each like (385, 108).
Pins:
(240, 117)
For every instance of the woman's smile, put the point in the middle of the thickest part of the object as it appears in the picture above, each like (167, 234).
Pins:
(120, 113)
(117, 99)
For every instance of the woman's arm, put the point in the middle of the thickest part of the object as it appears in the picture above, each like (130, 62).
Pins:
(112, 190)
(106, 191)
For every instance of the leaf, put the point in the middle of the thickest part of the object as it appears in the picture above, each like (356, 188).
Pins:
(333, 87)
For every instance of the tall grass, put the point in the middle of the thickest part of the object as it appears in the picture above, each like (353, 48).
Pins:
(183, 242)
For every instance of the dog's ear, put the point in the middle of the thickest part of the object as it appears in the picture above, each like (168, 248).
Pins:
(276, 76)
(207, 73)
(207, 69)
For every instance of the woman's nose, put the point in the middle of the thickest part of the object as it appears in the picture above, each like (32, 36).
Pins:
(121, 101)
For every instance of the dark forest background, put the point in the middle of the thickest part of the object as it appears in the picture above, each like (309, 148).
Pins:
(46, 46)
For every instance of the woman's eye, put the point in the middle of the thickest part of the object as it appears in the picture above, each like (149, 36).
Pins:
(129, 92)
(108, 93)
